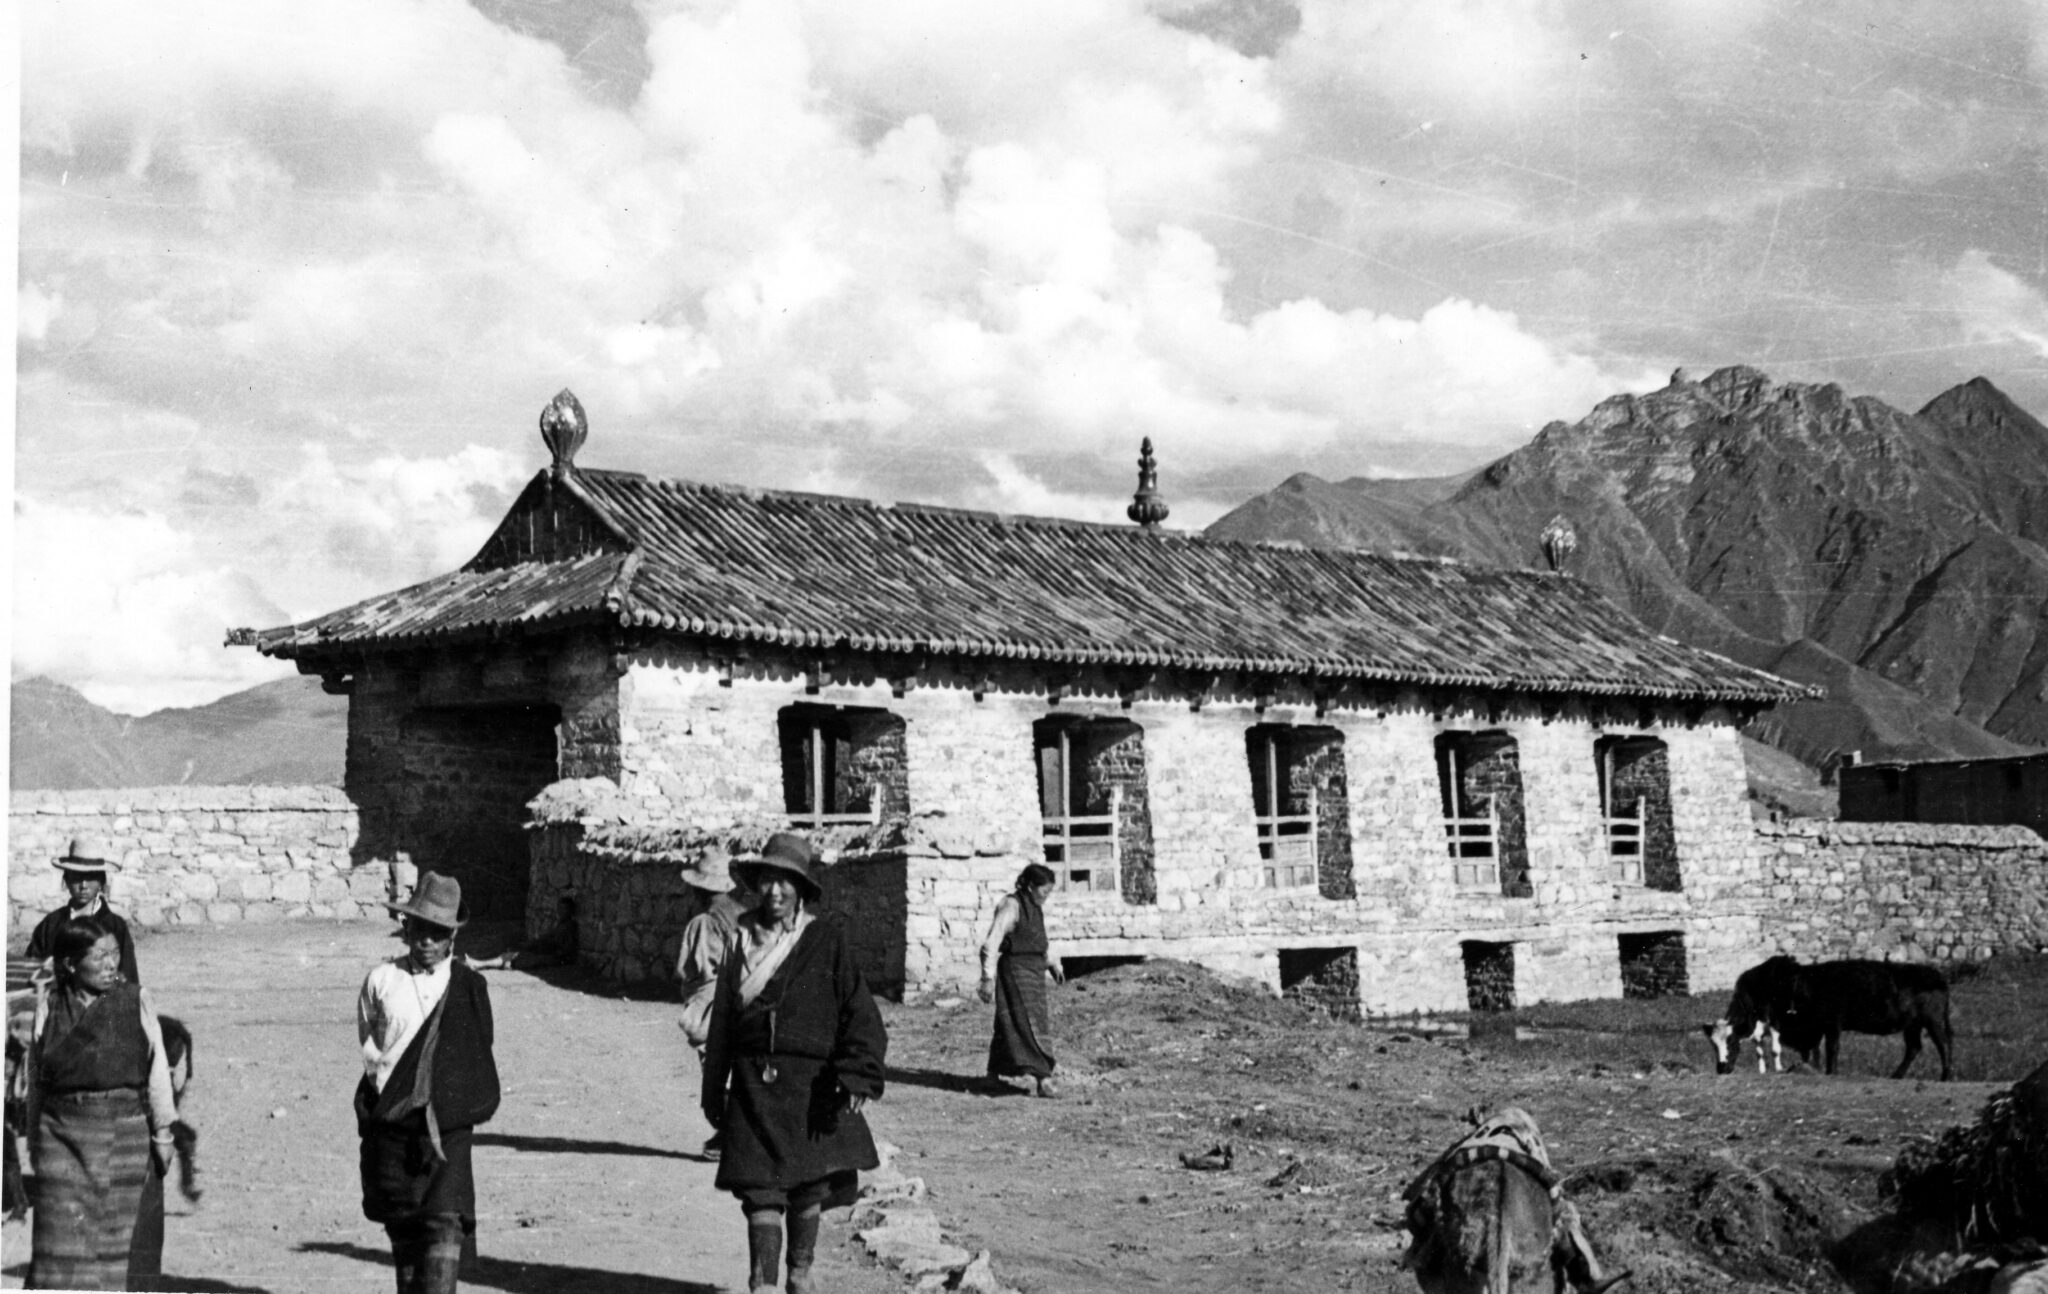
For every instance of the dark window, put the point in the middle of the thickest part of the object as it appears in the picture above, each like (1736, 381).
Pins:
(1635, 811)
(1078, 967)
(1323, 978)
(1653, 964)
(1301, 807)
(841, 764)
(1094, 804)
(1479, 778)
(1489, 975)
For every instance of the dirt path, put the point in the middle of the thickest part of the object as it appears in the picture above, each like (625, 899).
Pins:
(588, 1179)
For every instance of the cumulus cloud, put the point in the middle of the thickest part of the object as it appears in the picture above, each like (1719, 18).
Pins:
(126, 593)
(1993, 304)
(911, 249)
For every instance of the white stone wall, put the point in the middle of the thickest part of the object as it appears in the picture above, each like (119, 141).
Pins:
(703, 736)
(195, 854)
(1902, 891)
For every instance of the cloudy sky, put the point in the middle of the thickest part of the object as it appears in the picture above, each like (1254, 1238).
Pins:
(296, 279)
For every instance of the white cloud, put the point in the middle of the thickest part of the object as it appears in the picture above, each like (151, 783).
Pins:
(920, 243)
(1994, 304)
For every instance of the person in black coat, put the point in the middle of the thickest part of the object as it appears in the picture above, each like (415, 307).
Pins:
(796, 1049)
(86, 865)
(424, 1021)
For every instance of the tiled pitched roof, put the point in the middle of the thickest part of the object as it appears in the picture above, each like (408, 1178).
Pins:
(746, 565)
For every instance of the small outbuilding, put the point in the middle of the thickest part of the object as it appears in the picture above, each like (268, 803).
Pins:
(1377, 783)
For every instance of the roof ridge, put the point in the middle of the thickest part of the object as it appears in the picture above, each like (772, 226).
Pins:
(759, 492)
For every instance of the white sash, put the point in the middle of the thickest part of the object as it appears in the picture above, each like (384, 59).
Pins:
(766, 949)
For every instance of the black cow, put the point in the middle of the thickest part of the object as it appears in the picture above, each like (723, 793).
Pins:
(1809, 1007)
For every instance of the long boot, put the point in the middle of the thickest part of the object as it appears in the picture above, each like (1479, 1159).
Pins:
(764, 1249)
(803, 1247)
(442, 1266)
(408, 1254)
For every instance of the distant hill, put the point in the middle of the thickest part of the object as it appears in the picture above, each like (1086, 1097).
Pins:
(287, 733)
(1897, 559)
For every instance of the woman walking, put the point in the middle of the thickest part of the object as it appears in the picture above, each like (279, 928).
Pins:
(100, 1119)
(1016, 942)
(795, 1051)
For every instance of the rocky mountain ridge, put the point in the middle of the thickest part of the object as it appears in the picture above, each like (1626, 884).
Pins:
(1900, 560)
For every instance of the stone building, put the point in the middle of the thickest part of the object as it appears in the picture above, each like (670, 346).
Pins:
(1986, 792)
(1379, 783)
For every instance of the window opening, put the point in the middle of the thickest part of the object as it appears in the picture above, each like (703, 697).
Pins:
(1287, 841)
(1635, 811)
(1084, 850)
(838, 764)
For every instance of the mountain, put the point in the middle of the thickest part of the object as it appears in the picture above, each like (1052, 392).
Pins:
(286, 733)
(1900, 560)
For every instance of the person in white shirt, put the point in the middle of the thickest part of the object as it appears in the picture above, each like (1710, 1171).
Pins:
(424, 1022)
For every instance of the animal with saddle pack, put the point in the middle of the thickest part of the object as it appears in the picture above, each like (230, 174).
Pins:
(1782, 1002)
(1488, 1218)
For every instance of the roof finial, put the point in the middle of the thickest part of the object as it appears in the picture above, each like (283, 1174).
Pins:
(1147, 508)
(562, 429)
(1560, 539)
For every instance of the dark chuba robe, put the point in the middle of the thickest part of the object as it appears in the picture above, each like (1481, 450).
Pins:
(90, 1148)
(775, 1068)
(1022, 1019)
(404, 1180)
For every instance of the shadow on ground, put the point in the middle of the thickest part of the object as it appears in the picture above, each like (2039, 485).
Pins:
(574, 1146)
(533, 1278)
(941, 1081)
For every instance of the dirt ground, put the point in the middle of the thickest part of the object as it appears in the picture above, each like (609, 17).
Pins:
(588, 1179)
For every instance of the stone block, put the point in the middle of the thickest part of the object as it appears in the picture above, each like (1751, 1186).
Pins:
(223, 913)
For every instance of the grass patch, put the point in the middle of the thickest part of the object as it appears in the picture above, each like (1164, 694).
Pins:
(1997, 1008)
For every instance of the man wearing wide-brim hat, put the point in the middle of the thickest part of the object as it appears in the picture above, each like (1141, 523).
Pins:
(86, 865)
(707, 941)
(429, 1077)
(796, 1050)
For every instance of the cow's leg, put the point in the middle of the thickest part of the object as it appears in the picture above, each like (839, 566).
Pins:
(1944, 1039)
(1777, 1052)
(1832, 1041)
(1912, 1051)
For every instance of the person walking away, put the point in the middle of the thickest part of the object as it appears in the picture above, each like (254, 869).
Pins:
(429, 1078)
(100, 1111)
(796, 1049)
(707, 940)
(86, 865)
(1016, 943)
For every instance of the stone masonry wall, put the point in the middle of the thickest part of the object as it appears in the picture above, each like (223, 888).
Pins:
(699, 745)
(1902, 891)
(196, 854)
(445, 748)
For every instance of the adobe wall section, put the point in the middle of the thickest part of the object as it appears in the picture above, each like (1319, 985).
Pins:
(196, 854)
(1902, 891)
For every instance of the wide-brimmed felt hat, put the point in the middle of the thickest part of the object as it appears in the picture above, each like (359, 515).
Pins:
(711, 872)
(437, 899)
(787, 853)
(90, 854)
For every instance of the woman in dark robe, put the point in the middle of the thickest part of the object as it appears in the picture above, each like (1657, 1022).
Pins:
(1016, 941)
(100, 1116)
(795, 1051)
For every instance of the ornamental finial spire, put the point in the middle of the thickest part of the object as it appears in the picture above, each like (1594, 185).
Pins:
(1147, 508)
(1560, 539)
(563, 429)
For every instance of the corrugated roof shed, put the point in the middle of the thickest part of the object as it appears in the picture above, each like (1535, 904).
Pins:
(720, 562)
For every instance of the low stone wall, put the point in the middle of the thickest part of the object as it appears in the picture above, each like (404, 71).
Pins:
(620, 857)
(194, 854)
(1903, 891)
